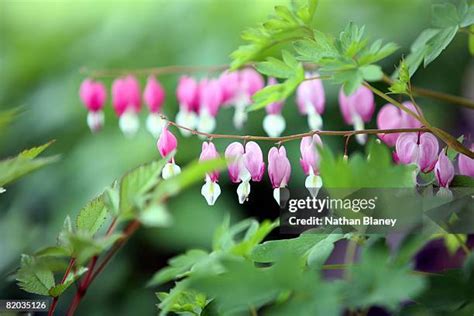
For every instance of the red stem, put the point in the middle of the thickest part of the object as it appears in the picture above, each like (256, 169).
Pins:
(66, 273)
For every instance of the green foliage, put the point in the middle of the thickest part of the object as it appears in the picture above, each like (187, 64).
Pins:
(25, 163)
(187, 302)
(471, 40)
(447, 20)
(375, 171)
(34, 277)
(92, 216)
(285, 26)
(401, 85)
(7, 116)
(348, 59)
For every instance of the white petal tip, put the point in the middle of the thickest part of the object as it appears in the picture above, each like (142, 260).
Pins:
(155, 124)
(95, 121)
(129, 124)
(274, 125)
(313, 183)
(170, 169)
(2, 190)
(211, 191)
(243, 191)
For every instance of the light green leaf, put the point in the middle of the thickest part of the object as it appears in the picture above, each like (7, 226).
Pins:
(371, 72)
(34, 277)
(471, 41)
(136, 183)
(445, 15)
(275, 68)
(468, 18)
(177, 267)
(186, 302)
(26, 162)
(438, 43)
(400, 86)
(320, 252)
(7, 116)
(92, 216)
(53, 251)
(156, 215)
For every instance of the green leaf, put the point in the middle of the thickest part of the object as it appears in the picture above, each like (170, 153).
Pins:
(468, 17)
(274, 68)
(305, 9)
(34, 277)
(321, 251)
(59, 289)
(371, 72)
(85, 247)
(370, 277)
(445, 15)
(186, 302)
(53, 251)
(26, 162)
(438, 43)
(92, 216)
(178, 267)
(155, 215)
(463, 181)
(7, 116)
(419, 49)
(136, 183)
(452, 154)
(400, 86)
(376, 52)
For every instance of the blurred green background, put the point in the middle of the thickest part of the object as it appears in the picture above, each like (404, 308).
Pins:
(43, 44)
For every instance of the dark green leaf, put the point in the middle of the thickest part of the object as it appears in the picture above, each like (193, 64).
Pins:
(92, 216)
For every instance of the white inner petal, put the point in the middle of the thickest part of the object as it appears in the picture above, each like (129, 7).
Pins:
(155, 124)
(276, 195)
(315, 121)
(187, 119)
(243, 191)
(171, 169)
(211, 191)
(95, 120)
(129, 123)
(313, 183)
(206, 123)
(358, 126)
(274, 124)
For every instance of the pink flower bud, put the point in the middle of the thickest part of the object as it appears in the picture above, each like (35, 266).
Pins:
(167, 142)
(93, 94)
(279, 167)
(309, 154)
(466, 164)
(253, 161)
(444, 170)
(357, 109)
(417, 148)
(275, 107)
(234, 154)
(126, 95)
(154, 95)
(187, 94)
(229, 82)
(209, 152)
(210, 96)
(250, 81)
(391, 117)
(310, 96)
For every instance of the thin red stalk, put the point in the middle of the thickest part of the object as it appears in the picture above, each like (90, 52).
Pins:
(52, 308)
(91, 274)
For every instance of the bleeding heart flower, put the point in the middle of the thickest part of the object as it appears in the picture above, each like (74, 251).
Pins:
(210, 190)
(154, 96)
(166, 144)
(93, 94)
(279, 170)
(187, 94)
(391, 117)
(444, 170)
(310, 163)
(210, 100)
(250, 81)
(357, 109)
(274, 123)
(126, 100)
(244, 165)
(311, 100)
(420, 149)
(229, 82)
(466, 164)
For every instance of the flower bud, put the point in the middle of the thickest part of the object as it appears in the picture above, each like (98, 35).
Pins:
(466, 164)
(210, 190)
(357, 109)
(274, 123)
(126, 100)
(166, 144)
(279, 170)
(154, 96)
(444, 170)
(311, 99)
(310, 163)
(93, 95)
(420, 149)
(392, 117)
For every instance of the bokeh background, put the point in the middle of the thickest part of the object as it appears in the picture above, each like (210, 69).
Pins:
(44, 44)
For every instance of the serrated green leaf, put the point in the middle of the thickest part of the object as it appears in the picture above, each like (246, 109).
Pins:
(136, 183)
(445, 15)
(274, 68)
(53, 251)
(187, 302)
(376, 53)
(418, 50)
(92, 216)
(438, 43)
(26, 162)
(34, 277)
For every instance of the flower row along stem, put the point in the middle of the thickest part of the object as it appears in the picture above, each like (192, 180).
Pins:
(181, 69)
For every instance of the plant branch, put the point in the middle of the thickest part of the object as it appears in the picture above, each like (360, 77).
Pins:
(435, 95)
(283, 139)
(52, 308)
